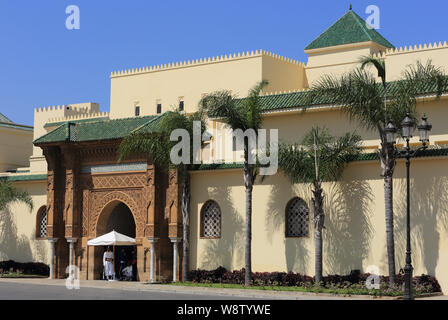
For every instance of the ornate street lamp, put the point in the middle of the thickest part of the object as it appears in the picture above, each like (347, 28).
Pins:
(390, 130)
(407, 126)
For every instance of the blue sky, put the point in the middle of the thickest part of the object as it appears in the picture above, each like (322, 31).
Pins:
(42, 63)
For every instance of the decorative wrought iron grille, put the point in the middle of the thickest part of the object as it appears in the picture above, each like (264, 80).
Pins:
(211, 220)
(297, 218)
(43, 223)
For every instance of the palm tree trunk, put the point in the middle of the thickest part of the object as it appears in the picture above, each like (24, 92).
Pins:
(319, 219)
(186, 196)
(387, 155)
(388, 199)
(248, 246)
(248, 182)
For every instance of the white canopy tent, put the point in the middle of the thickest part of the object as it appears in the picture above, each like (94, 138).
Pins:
(112, 239)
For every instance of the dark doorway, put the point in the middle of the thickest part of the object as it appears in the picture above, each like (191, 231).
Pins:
(121, 220)
(117, 216)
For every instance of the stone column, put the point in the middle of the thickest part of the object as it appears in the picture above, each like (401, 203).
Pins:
(52, 243)
(71, 242)
(175, 241)
(152, 241)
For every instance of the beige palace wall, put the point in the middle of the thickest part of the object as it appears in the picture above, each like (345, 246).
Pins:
(397, 60)
(355, 223)
(354, 237)
(189, 81)
(18, 227)
(15, 148)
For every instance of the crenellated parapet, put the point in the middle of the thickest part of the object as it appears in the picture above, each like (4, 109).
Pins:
(416, 48)
(71, 109)
(204, 61)
(81, 116)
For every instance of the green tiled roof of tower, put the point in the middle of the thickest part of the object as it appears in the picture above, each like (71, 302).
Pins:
(98, 130)
(351, 28)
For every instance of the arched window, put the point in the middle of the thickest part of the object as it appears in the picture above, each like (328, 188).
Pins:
(210, 220)
(41, 223)
(297, 218)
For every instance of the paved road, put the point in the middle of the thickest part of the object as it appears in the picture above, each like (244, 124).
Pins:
(25, 291)
(44, 289)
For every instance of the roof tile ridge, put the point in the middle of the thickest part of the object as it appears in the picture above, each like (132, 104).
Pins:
(51, 132)
(329, 28)
(362, 25)
(149, 121)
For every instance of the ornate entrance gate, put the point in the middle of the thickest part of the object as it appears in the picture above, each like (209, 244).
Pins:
(84, 179)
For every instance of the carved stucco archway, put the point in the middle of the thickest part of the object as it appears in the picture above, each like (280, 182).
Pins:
(104, 203)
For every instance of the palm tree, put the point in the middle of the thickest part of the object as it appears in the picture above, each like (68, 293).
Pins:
(244, 114)
(373, 106)
(10, 194)
(320, 157)
(157, 146)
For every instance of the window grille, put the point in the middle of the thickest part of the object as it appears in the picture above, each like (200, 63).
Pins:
(211, 220)
(297, 218)
(43, 223)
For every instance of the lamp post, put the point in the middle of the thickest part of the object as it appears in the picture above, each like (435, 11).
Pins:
(407, 126)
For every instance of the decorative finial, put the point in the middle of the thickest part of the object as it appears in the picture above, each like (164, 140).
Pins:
(350, 7)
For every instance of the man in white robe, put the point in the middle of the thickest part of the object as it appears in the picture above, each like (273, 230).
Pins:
(108, 260)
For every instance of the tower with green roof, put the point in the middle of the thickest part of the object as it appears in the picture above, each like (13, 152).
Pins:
(340, 46)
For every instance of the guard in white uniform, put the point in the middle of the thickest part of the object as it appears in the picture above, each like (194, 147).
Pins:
(108, 260)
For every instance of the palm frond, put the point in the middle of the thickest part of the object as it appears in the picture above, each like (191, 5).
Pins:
(10, 194)
(357, 92)
(252, 108)
(417, 79)
(222, 105)
(335, 156)
(379, 64)
(154, 146)
(157, 146)
(296, 162)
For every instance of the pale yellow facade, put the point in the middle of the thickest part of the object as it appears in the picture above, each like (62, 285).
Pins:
(354, 237)
(18, 227)
(15, 144)
(189, 81)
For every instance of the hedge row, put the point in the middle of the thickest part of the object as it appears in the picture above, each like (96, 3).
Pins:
(221, 275)
(28, 268)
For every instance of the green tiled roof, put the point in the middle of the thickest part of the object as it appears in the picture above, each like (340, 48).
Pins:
(284, 101)
(28, 177)
(16, 126)
(152, 125)
(351, 28)
(57, 124)
(7, 123)
(3, 118)
(96, 130)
